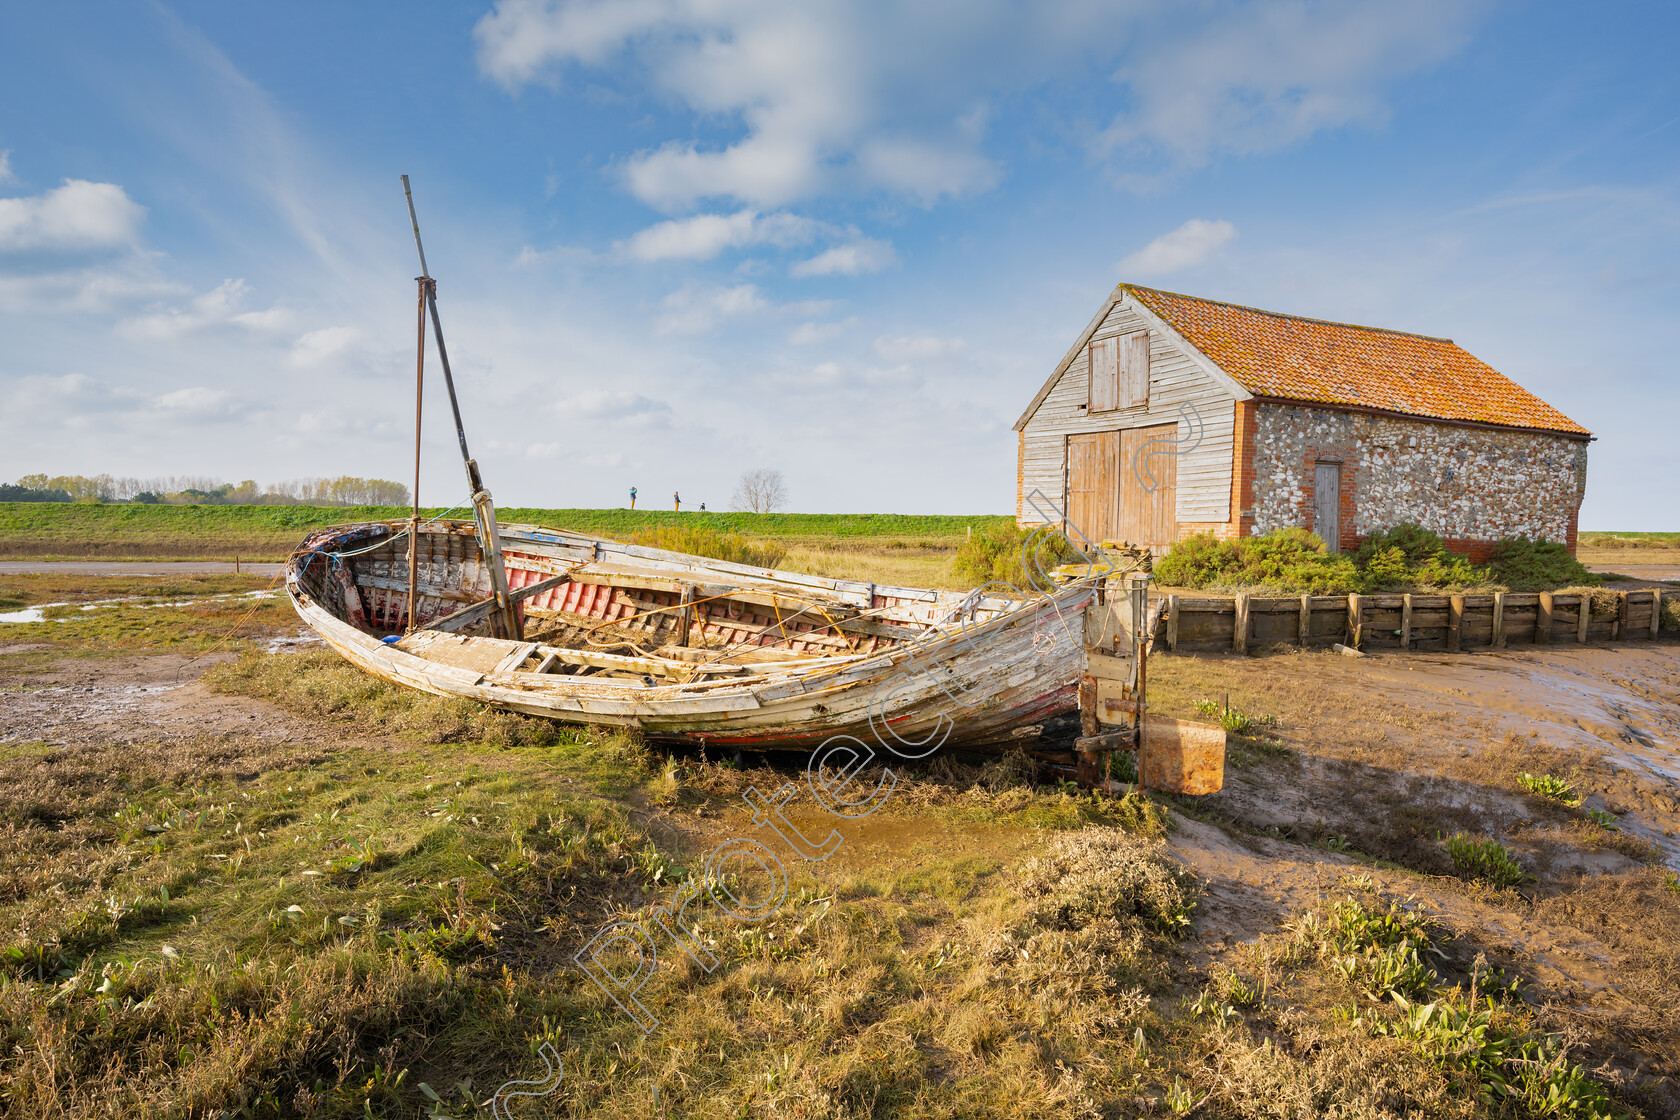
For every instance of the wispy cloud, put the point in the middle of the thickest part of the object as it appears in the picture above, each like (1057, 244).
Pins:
(1189, 245)
(692, 310)
(6, 173)
(77, 215)
(706, 235)
(910, 348)
(862, 255)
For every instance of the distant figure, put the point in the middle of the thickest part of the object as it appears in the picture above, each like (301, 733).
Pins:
(676, 501)
(702, 507)
(632, 497)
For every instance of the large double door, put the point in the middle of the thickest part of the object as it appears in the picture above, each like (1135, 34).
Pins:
(1123, 486)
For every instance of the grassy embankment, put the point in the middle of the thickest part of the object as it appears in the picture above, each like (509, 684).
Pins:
(385, 928)
(889, 548)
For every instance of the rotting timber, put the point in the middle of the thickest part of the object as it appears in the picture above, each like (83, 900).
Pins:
(685, 648)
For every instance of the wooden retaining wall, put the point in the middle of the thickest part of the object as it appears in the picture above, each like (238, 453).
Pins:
(1448, 623)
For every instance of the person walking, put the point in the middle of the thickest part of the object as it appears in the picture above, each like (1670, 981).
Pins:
(632, 497)
(676, 501)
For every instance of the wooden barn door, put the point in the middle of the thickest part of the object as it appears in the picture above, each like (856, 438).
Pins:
(1092, 484)
(1149, 486)
(1327, 504)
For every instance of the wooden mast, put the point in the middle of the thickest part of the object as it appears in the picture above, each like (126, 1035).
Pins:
(484, 510)
(419, 400)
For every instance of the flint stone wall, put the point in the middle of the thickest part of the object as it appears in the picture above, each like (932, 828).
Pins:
(1467, 484)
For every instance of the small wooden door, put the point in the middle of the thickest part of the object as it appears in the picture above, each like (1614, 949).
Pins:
(1327, 504)
(1092, 485)
(1149, 486)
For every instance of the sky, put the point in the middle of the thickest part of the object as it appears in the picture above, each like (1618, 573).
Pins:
(675, 240)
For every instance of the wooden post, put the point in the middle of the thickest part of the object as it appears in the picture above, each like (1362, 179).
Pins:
(1239, 628)
(1306, 619)
(1656, 613)
(1498, 641)
(1172, 622)
(1406, 621)
(685, 617)
(1355, 625)
(1455, 623)
(1620, 624)
(1088, 705)
(1543, 619)
(1582, 617)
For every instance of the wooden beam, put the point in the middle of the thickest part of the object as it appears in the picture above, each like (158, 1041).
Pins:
(1406, 621)
(1498, 620)
(1172, 623)
(1543, 619)
(1355, 624)
(1306, 620)
(1656, 612)
(1239, 628)
(1123, 740)
(1582, 616)
(1620, 624)
(1088, 705)
(1455, 622)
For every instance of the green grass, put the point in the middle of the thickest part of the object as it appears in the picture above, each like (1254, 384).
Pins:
(1486, 860)
(271, 532)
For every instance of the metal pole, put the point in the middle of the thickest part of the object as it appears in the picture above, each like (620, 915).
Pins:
(419, 400)
(484, 520)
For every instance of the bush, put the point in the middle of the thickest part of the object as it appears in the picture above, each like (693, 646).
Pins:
(695, 541)
(1525, 565)
(994, 554)
(1409, 555)
(1670, 618)
(1288, 560)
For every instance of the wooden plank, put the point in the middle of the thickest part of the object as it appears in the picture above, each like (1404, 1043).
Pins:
(1306, 621)
(1115, 702)
(1405, 621)
(1583, 618)
(1239, 629)
(1656, 613)
(1125, 740)
(1172, 623)
(1088, 705)
(1092, 484)
(1106, 667)
(1617, 627)
(1543, 619)
(1355, 623)
(1498, 620)
(1455, 623)
(1104, 362)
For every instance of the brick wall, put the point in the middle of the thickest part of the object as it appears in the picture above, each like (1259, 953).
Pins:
(1473, 486)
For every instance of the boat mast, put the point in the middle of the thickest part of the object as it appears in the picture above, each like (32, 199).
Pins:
(419, 400)
(484, 510)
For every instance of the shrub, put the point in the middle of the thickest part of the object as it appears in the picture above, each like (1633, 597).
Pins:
(695, 541)
(1485, 859)
(1538, 565)
(994, 554)
(1670, 612)
(1409, 555)
(1289, 560)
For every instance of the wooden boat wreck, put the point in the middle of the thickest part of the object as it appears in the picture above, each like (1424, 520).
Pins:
(685, 648)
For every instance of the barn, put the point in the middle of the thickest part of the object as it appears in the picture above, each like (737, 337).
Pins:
(1172, 415)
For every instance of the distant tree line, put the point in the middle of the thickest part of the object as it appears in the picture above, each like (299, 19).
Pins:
(192, 490)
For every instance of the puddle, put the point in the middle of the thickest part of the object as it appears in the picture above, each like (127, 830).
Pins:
(294, 644)
(1624, 701)
(38, 614)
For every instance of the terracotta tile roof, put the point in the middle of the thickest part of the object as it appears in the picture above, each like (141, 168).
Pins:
(1289, 357)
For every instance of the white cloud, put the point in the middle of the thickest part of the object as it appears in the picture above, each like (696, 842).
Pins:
(620, 407)
(196, 400)
(862, 255)
(317, 346)
(706, 235)
(1263, 76)
(221, 305)
(692, 310)
(897, 95)
(910, 348)
(77, 215)
(6, 174)
(806, 333)
(1185, 247)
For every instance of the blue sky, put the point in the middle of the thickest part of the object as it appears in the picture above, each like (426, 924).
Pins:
(677, 239)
